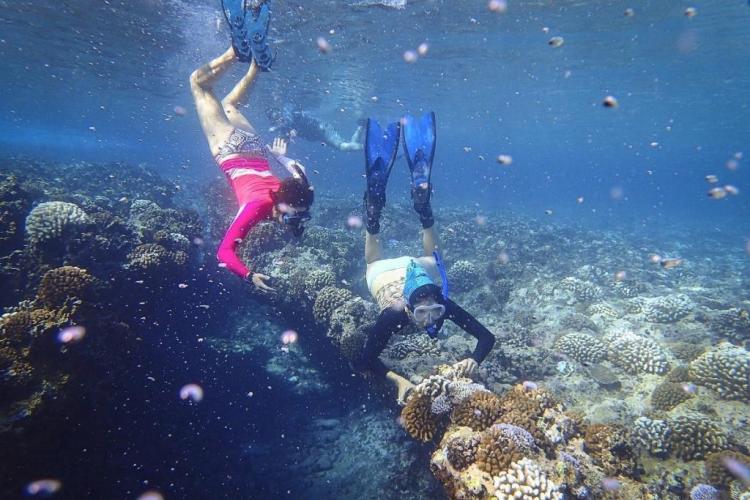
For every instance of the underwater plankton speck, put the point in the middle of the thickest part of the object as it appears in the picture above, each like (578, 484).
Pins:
(354, 222)
(323, 46)
(192, 392)
(43, 487)
(499, 6)
(151, 495)
(410, 56)
(289, 337)
(71, 334)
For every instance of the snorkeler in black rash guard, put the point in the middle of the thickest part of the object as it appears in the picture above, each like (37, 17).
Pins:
(408, 289)
(296, 122)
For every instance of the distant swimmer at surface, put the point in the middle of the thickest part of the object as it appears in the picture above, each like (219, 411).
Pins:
(293, 122)
(243, 158)
(408, 289)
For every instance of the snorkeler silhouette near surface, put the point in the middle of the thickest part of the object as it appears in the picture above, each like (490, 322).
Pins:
(408, 289)
(240, 152)
(293, 122)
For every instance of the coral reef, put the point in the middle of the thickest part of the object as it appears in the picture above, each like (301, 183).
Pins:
(609, 446)
(636, 354)
(582, 347)
(418, 344)
(156, 260)
(717, 472)
(694, 436)
(478, 411)
(704, 492)
(525, 479)
(582, 291)
(725, 369)
(54, 221)
(461, 452)
(667, 395)
(463, 275)
(328, 300)
(418, 419)
(500, 445)
(63, 283)
(652, 436)
(668, 309)
(732, 324)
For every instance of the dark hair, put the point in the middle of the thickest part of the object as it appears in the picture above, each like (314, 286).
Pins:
(429, 290)
(294, 192)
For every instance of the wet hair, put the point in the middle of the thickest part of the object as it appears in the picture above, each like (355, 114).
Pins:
(427, 291)
(294, 192)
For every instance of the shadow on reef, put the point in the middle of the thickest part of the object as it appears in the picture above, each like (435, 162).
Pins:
(640, 382)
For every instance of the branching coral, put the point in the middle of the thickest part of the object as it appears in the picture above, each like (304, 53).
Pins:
(582, 347)
(63, 283)
(652, 436)
(725, 369)
(53, 220)
(582, 291)
(609, 446)
(328, 300)
(418, 419)
(694, 436)
(667, 395)
(477, 411)
(525, 479)
(668, 309)
(636, 354)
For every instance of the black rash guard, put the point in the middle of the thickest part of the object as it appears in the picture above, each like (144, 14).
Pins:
(391, 321)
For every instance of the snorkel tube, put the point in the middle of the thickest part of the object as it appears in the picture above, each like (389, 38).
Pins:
(432, 330)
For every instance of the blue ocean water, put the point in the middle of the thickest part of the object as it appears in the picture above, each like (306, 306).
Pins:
(107, 81)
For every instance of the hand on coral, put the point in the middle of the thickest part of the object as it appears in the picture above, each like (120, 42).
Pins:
(279, 146)
(465, 368)
(405, 387)
(259, 280)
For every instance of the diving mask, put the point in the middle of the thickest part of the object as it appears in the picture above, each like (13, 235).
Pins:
(296, 221)
(429, 315)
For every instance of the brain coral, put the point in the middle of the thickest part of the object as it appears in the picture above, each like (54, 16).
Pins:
(461, 452)
(53, 220)
(694, 436)
(725, 369)
(636, 354)
(463, 275)
(667, 395)
(525, 480)
(733, 324)
(418, 419)
(63, 283)
(652, 436)
(317, 279)
(583, 291)
(582, 347)
(152, 257)
(716, 469)
(328, 300)
(420, 344)
(477, 411)
(667, 309)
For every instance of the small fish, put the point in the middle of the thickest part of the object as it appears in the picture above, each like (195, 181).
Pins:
(670, 263)
(548, 212)
(717, 193)
(610, 102)
(712, 179)
(579, 200)
(504, 159)
(731, 190)
(467, 149)
(556, 41)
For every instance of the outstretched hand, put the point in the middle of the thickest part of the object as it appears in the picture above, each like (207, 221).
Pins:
(259, 280)
(465, 368)
(279, 147)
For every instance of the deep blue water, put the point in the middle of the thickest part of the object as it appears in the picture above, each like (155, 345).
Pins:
(99, 80)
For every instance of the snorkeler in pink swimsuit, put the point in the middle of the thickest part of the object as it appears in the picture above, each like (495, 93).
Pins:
(243, 158)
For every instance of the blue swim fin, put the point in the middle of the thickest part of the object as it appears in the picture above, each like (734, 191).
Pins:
(380, 153)
(419, 148)
(257, 27)
(235, 12)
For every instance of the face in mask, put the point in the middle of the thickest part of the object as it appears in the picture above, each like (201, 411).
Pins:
(428, 313)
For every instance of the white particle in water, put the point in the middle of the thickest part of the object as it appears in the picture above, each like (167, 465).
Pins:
(410, 56)
(193, 392)
(43, 487)
(71, 334)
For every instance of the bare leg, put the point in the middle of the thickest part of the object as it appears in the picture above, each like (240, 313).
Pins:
(373, 248)
(216, 126)
(430, 241)
(238, 97)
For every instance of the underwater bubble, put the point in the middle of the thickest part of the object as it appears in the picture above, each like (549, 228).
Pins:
(500, 6)
(323, 46)
(180, 111)
(504, 159)
(423, 49)
(43, 487)
(410, 56)
(629, 12)
(690, 12)
(731, 190)
(717, 193)
(71, 334)
(354, 222)
(610, 484)
(738, 469)
(289, 337)
(610, 102)
(193, 392)
(579, 200)
(556, 41)
(151, 495)
(712, 179)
